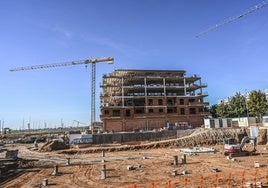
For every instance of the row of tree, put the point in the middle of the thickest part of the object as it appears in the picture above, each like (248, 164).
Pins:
(252, 104)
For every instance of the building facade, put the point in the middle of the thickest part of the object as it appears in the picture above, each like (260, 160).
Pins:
(151, 99)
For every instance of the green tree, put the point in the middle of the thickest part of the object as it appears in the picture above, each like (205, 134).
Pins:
(257, 103)
(213, 110)
(237, 106)
(222, 110)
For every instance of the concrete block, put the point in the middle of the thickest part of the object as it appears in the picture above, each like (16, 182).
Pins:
(184, 172)
(256, 164)
(129, 167)
(174, 173)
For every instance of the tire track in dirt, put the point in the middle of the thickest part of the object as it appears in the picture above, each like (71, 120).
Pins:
(83, 175)
(75, 177)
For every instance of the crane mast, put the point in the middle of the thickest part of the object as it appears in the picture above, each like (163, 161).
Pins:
(232, 19)
(92, 61)
(93, 94)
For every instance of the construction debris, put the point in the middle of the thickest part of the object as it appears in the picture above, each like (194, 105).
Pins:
(215, 170)
(230, 158)
(132, 167)
(184, 172)
(174, 173)
(197, 149)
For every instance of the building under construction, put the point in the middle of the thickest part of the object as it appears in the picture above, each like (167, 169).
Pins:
(151, 99)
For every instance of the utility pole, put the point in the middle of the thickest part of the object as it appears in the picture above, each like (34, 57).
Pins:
(2, 126)
(29, 124)
(246, 101)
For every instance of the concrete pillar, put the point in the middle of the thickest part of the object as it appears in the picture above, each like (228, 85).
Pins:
(183, 160)
(103, 155)
(103, 172)
(56, 170)
(45, 182)
(67, 161)
(175, 160)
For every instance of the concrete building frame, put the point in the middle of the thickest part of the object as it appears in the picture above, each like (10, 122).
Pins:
(150, 99)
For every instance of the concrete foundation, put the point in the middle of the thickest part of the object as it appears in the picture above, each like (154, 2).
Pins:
(175, 160)
(183, 159)
(56, 170)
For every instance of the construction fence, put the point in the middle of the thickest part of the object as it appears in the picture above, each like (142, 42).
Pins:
(242, 179)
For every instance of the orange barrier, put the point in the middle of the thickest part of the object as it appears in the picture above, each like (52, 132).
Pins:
(239, 179)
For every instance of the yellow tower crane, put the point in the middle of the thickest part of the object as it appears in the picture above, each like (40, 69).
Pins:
(232, 19)
(92, 61)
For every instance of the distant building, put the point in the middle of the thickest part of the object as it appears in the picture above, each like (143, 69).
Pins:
(229, 122)
(6, 130)
(151, 99)
(265, 121)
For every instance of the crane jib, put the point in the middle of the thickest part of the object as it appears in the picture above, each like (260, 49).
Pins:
(45, 66)
(93, 61)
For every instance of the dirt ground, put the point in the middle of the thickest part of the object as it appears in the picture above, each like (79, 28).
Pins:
(141, 168)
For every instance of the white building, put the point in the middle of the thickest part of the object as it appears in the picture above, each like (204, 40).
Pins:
(265, 121)
(230, 122)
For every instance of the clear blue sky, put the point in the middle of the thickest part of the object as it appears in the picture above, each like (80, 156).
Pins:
(140, 34)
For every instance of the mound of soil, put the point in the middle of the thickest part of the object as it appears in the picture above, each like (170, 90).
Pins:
(53, 145)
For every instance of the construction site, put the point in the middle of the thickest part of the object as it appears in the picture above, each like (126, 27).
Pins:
(194, 158)
(155, 132)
